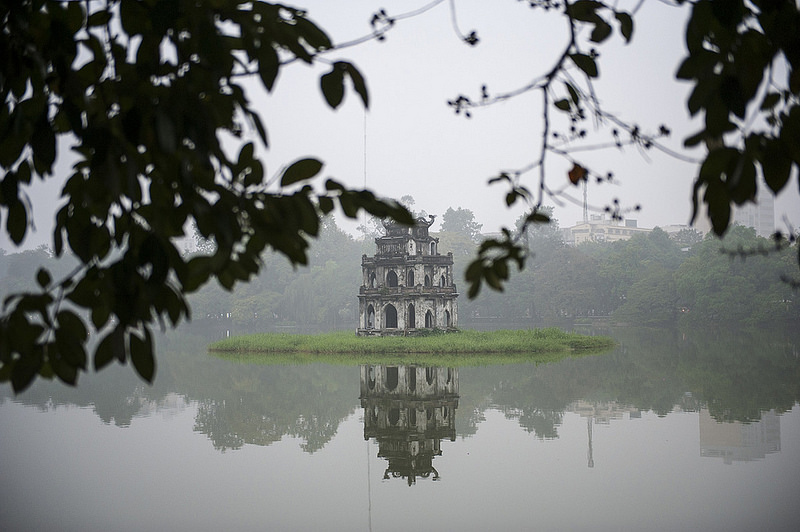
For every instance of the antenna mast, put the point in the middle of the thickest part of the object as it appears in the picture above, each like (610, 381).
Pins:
(585, 203)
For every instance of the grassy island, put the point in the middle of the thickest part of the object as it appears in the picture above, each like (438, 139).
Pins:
(462, 347)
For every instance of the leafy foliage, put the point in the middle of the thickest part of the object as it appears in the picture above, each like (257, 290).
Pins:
(651, 279)
(743, 59)
(150, 95)
(461, 221)
(737, 54)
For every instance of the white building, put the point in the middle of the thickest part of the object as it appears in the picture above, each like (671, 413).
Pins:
(759, 215)
(600, 229)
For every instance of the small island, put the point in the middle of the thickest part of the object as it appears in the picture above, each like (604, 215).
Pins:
(468, 347)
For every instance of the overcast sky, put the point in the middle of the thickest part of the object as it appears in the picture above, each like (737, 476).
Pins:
(410, 142)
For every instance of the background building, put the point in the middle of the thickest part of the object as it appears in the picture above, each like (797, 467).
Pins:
(759, 215)
(599, 229)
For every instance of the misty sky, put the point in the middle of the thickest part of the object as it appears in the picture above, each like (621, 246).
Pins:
(410, 142)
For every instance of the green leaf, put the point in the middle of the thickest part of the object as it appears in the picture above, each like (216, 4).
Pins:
(99, 18)
(770, 101)
(719, 207)
(585, 63)
(573, 93)
(43, 277)
(695, 139)
(246, 155)
(776, 165)
(790, 134)
(300, 171)
(100, 315)
(142, 355)
(256, 175)
(43, 142)
(268, 65)
(24, 370)
(332, 85)
(563, 104)
(325, 204)
(601, 31)
(71, 324)
(358, 83)
(584, 10)
(625, 24)
(538, 217)
(17, 221)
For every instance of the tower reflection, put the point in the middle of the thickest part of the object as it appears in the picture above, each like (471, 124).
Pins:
(409, 410)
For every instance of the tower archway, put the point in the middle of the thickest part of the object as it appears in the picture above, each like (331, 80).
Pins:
(370, 317)
(390, 317)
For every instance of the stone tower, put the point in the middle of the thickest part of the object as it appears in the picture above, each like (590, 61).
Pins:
(407, 285)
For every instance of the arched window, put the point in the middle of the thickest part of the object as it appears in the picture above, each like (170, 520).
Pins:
(370, 317)
(427, 281)
(412, 378)
(410, 278)
(391, 279)
(372, 280)
(412, 318)
(433, 248)
(390, 317)
(442, 281)
(429, 320)
(392, 378)
(447, 318)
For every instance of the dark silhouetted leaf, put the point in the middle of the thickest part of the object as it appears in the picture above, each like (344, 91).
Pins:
(332, 85)
(43, 278)
(776, 164)
(300, 171)
(142, 356)
(625, 24)
(585, 63)
(601, 31)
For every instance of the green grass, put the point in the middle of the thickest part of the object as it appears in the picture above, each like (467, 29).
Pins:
(460, 348)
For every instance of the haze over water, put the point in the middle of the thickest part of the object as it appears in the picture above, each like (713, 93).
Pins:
(670, 431)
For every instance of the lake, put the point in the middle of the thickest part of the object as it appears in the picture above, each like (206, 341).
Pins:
(672, 430)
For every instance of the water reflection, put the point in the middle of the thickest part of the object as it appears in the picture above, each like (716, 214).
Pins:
(735, 441)
(409, 410)
(601, 413)
(230, 444)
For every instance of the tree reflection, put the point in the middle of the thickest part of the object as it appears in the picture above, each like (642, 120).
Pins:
(733, 376)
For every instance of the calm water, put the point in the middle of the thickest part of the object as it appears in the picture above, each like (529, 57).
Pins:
(671, 431)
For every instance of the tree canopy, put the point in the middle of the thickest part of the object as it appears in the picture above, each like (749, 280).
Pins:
(461, 221)
(150, 96)
(743, 59)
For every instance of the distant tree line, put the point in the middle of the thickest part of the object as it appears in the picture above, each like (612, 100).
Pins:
(653, 278)
(650, 279)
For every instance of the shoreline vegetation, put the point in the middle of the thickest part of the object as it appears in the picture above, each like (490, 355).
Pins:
(459, 348)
